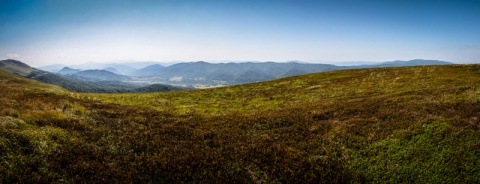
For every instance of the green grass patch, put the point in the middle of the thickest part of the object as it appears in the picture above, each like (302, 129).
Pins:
(434, 153)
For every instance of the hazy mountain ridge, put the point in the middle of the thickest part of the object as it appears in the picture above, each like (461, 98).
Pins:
(205, 74)
(68, 71)
(101, 75)
(148, 71)
(113, 70)
(124, 67)
(107, 74)
(227, 73)
(240, 73)
(414, 62)
(99, 81)
(52, 68)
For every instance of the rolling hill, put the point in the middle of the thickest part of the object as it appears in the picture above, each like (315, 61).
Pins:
(113, 70)
(151, 70)
(384, 125)
(68, 71)
(16, 67)
(100, 75)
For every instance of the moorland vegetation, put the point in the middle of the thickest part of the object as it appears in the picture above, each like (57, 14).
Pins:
(384, 125)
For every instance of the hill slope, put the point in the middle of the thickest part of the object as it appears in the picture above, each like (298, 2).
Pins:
(16, 67)
(157, 88)
(411, 125)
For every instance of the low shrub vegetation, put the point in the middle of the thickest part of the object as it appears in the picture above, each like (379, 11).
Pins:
(384, 125)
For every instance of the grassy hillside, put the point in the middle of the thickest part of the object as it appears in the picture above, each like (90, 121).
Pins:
(385, 125)
(16, 67)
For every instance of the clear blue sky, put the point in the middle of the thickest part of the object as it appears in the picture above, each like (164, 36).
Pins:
(80, 31)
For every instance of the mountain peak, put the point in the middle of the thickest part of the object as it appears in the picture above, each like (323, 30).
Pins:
(102, 75)
(68, 70)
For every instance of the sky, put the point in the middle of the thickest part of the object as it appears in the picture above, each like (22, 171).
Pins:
(79, 31)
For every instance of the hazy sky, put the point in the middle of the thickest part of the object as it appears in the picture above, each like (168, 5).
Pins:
(80, 31)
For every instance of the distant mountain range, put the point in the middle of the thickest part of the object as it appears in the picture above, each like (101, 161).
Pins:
(123, 67)
(203, 74)
(100, 81)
